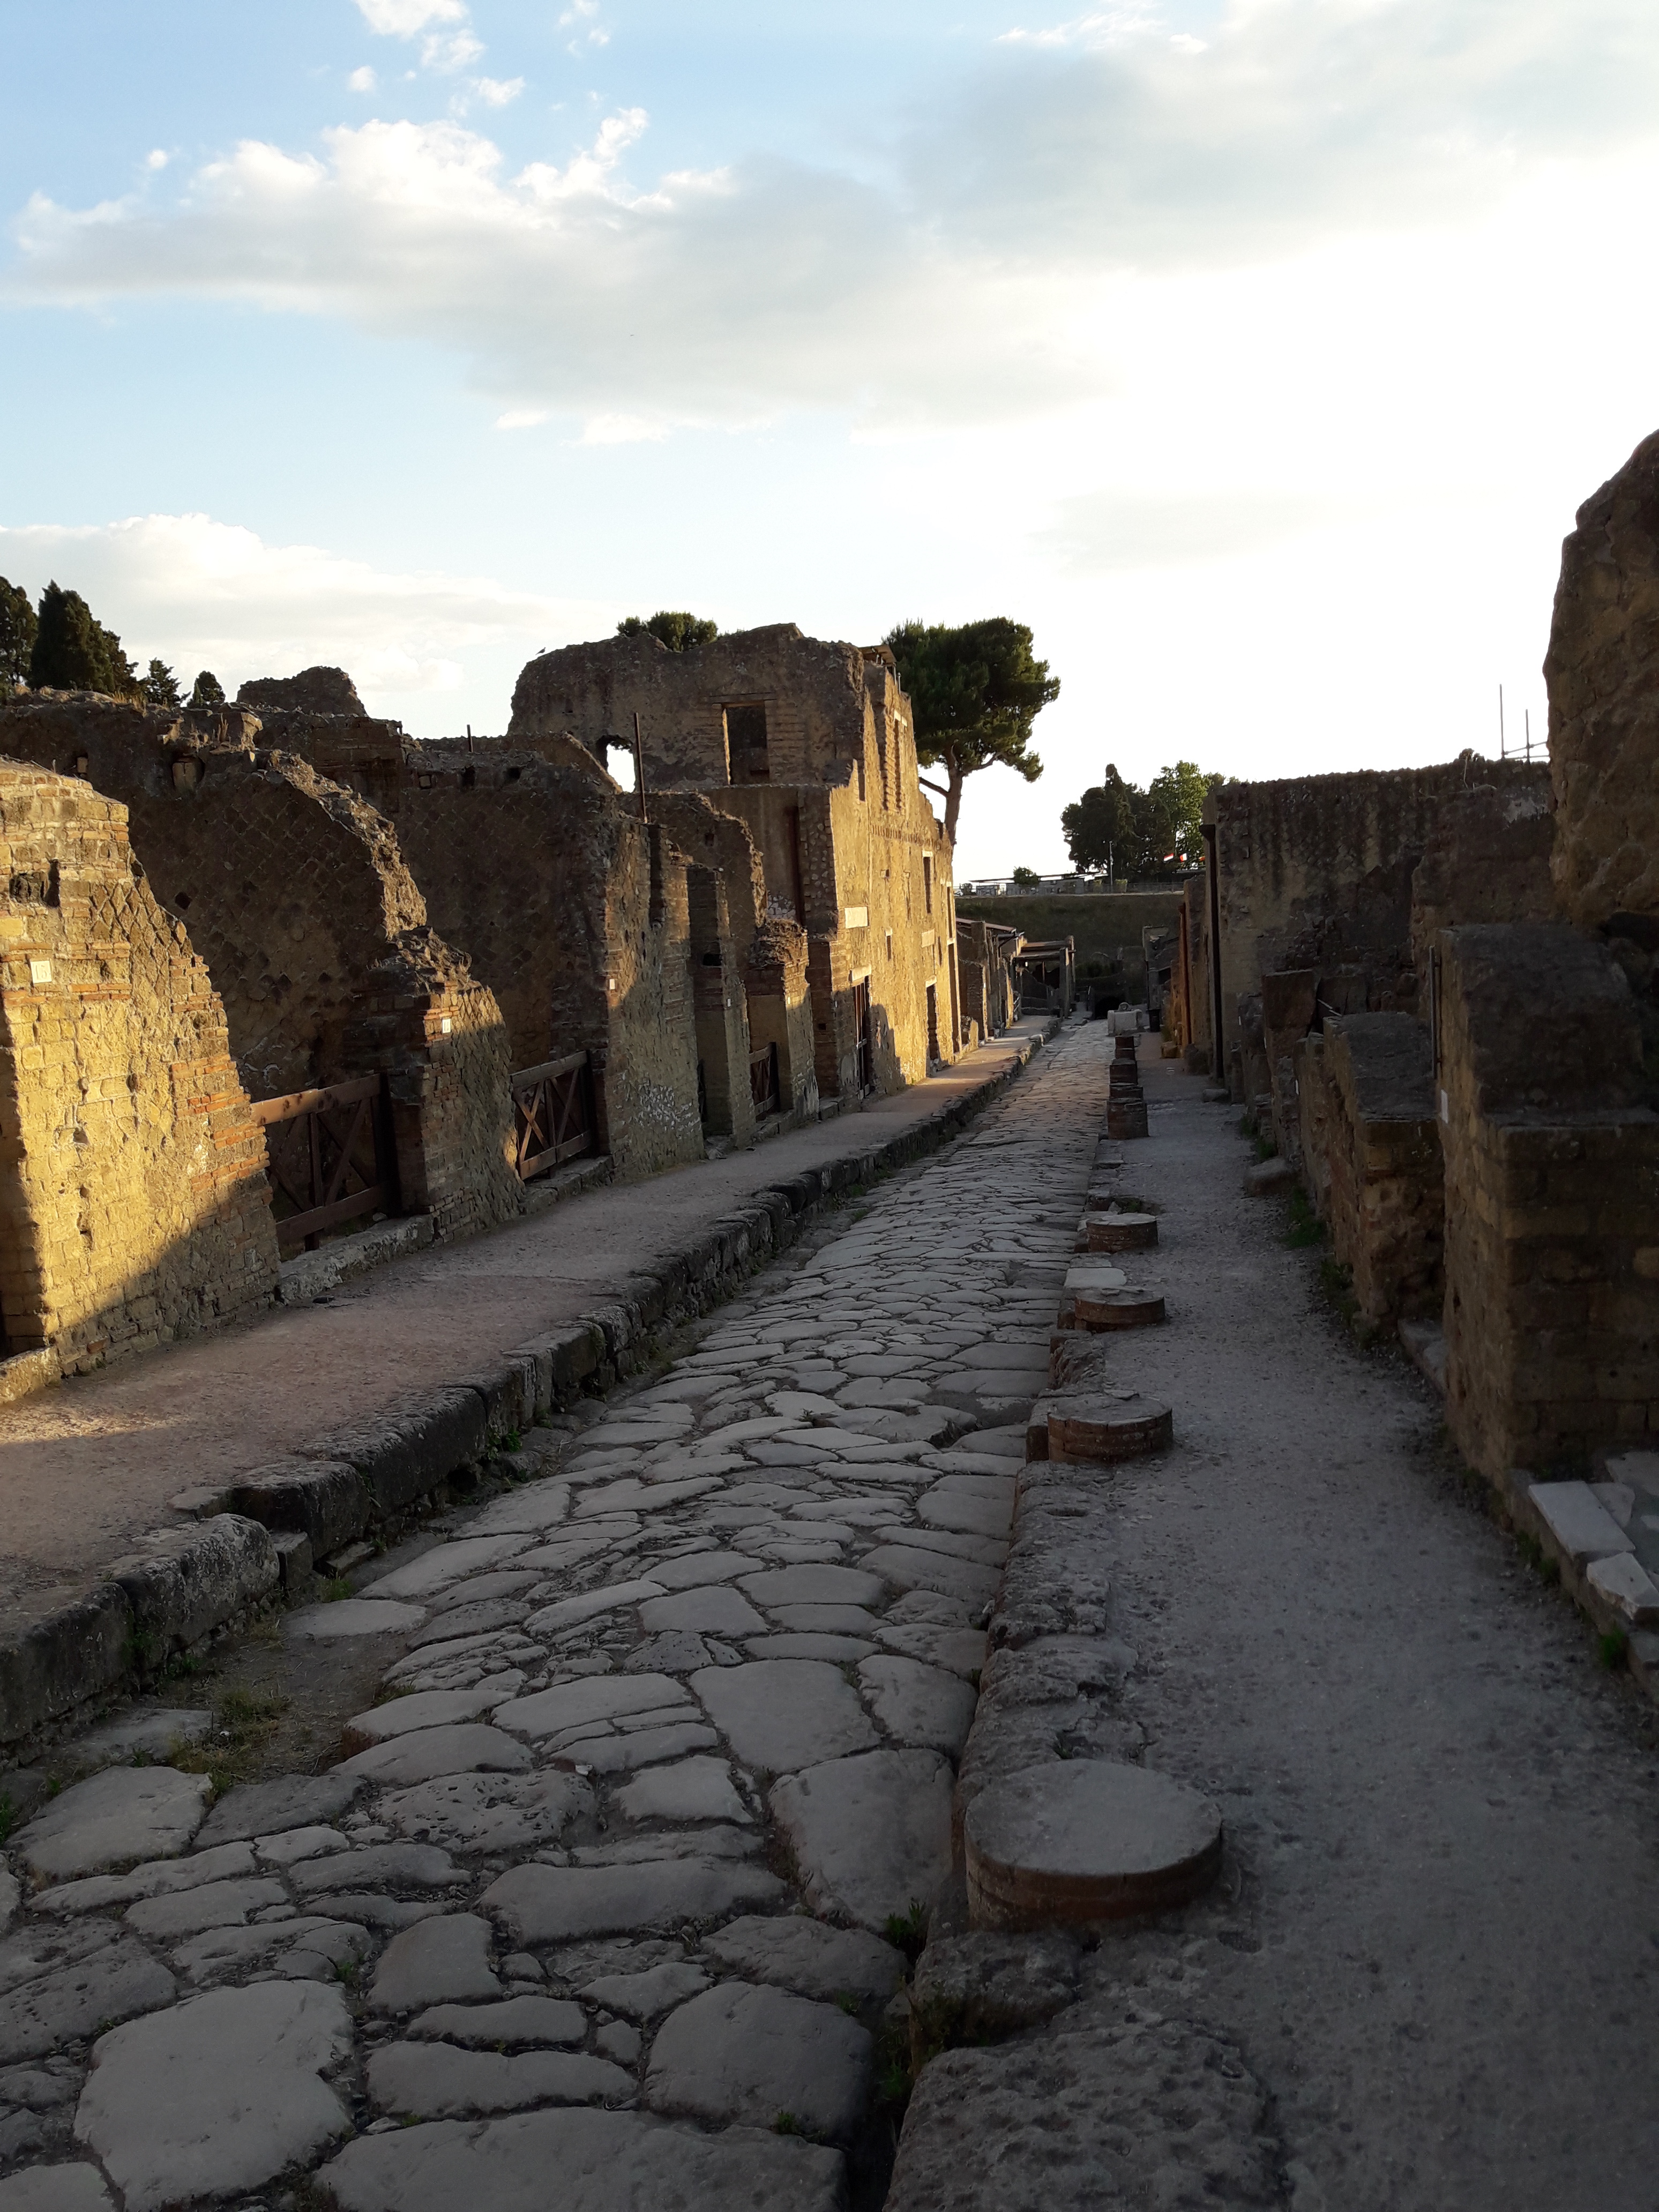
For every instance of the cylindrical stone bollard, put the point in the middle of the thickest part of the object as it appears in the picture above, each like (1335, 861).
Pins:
(1106, 1309)
(1093, 1431)
(1121, 1232)
(1084, 1841)
(1127, 1117)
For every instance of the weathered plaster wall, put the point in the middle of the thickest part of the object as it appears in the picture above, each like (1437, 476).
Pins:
(133, 1200)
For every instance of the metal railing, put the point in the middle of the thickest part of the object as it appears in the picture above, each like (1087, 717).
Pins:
(553, 1115)
(329, 1158)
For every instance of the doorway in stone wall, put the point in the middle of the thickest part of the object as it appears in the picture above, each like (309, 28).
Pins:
(934, 1056)
(864, 1045)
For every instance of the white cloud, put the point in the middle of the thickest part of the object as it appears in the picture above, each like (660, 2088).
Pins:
(450, 51)
(521, 418)
(157, 160)
(981, 279)
(581, 17)
(362, 80)
(206, 594)
(402, 18)
(496, 91)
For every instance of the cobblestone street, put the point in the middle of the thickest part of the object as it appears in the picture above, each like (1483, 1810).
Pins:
(657, 1797)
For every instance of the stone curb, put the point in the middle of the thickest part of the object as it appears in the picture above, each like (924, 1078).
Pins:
(258, 1536)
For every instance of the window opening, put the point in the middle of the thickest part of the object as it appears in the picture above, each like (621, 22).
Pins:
(746, 742)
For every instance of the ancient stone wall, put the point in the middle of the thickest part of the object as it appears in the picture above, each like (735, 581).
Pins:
(1552, 1206)
(1316, 873)
(575, 913)
(1486, 858)
(698, 710)
(810, 745)
(763, 975)
(314, 933)
(1336, 884)
(1382, 1176)
(133, 1200)
(1602, 670)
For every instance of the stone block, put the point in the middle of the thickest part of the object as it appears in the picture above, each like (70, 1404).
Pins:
(575, 1354)
(323, 1500)
(1583, 1528)
(196, 1580)
(1620, 1578)
(404, 1459)
(78, 1653)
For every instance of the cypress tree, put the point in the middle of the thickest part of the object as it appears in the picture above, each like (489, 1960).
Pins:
(160, 686)
(208, 690)
(17, 628)
(73, 651)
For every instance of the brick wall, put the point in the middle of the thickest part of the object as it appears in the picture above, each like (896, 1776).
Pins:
(1552, 1255)
(133, 1202)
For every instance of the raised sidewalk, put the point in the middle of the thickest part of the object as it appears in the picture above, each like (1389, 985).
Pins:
(146, 1506)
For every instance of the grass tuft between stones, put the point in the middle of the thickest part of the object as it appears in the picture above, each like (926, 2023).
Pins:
(243, 1723)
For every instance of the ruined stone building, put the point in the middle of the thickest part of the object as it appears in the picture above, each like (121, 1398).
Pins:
(642, 943)
(314, 933)
(1441, 986)
(811, 747)
(986, 952)
(133, 1199)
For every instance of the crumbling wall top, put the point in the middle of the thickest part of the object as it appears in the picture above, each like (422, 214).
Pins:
(1602, 670)
(313, 691)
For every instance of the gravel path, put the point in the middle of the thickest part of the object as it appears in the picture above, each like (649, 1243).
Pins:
(616, 1881)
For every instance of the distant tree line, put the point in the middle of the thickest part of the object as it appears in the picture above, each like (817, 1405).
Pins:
(61, 645)
(1138, 832)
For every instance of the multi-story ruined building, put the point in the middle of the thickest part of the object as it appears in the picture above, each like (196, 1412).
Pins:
(811, 747)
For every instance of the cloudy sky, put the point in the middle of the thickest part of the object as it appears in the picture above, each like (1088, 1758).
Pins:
(1256, 352)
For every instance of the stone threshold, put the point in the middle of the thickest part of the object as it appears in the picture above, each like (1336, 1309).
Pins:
(256, 1541)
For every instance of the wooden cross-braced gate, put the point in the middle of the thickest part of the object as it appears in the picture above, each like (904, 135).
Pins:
(329, 1158)
(553, 1115)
